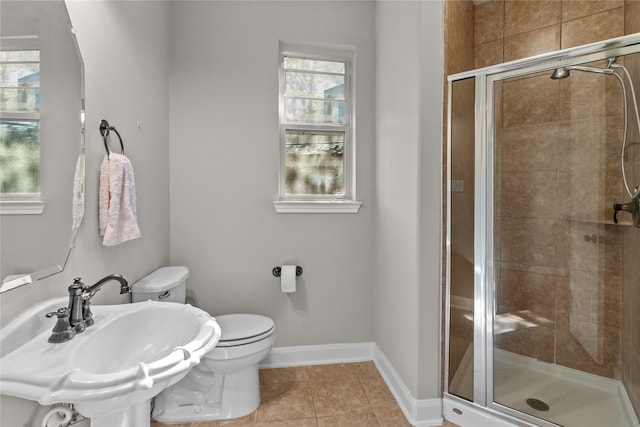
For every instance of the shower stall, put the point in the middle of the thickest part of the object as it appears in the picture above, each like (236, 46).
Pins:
(542, 302)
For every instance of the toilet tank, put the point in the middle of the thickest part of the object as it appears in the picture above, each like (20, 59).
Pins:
(163, 284)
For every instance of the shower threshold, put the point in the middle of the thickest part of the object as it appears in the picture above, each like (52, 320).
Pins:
(574, 398)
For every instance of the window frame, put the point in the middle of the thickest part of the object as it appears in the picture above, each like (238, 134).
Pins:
(22, 203)
(319, 203)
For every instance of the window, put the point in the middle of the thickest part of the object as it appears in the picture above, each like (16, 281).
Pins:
(316, 135)
(20, 128)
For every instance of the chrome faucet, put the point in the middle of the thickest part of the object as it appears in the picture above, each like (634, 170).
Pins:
(77, 316)
(75, 305)
(124, 285)
(89, 292)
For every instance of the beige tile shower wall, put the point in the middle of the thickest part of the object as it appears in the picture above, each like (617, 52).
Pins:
(556, 161)
(458, 40)
(510, 30)
(462, 219)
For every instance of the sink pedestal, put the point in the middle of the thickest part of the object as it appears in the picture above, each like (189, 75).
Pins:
(136, 415)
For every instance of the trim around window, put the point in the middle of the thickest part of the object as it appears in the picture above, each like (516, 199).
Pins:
(317, 206)
(21, 204)
(338, 122)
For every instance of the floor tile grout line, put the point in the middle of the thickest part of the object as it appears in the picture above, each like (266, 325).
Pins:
(373, 409)
(364, 375)
(313, 400)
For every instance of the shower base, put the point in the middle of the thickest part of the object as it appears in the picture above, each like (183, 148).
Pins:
(574, 398)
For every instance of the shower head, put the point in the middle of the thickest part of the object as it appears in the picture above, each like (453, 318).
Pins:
(560, 73)
(564, 72)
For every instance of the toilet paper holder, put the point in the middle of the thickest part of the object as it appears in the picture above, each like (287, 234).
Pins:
(277, 270)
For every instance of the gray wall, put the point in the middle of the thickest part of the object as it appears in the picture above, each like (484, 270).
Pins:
(224, 170)
(408, 179)
(430, 232)
(126, 55)
(221, 169)
(125, 51)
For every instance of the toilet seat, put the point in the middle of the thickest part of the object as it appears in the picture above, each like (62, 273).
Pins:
(225, 384)
(242, 329)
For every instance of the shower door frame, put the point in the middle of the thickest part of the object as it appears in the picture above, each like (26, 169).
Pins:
(483, 262)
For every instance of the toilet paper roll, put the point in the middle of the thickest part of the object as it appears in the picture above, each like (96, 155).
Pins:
(288, 278)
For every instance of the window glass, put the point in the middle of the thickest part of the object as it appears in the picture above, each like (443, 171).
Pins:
(20, 122)
(19, 156)
(314, 65)
(315, 162)
(315, 96)
(314, 122)
(20, 80)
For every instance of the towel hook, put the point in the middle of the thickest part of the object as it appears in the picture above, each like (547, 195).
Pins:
(105, 129)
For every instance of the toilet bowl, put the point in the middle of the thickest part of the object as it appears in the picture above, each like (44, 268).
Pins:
(225, 384)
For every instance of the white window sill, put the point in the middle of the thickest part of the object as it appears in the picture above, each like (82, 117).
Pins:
(317, 206)
(10, 206)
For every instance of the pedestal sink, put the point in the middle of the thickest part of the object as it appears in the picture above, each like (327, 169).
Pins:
(110, 371)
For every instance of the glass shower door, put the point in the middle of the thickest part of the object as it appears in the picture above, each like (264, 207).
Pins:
(559, 274)
(461, 170)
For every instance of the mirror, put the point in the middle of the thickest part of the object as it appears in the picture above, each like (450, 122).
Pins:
(35, 246)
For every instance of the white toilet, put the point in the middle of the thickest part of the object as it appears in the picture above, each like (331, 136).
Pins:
(225, 384)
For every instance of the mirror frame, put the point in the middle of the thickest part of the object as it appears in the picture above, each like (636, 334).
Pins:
(25, 279)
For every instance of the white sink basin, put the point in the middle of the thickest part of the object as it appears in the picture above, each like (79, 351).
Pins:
(112, 369)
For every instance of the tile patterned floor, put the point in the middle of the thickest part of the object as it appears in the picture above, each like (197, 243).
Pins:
(347, 394)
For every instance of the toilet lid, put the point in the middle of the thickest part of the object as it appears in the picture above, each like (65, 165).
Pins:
(239, 329)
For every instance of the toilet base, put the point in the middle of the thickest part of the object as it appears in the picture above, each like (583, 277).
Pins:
(204, 395)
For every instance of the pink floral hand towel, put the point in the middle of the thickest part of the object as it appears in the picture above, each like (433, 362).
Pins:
(117, 214)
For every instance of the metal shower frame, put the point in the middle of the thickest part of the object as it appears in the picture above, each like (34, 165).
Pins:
(483, 311)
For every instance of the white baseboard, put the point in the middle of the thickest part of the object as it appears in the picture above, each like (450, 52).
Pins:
(420, 413)
(283, 357)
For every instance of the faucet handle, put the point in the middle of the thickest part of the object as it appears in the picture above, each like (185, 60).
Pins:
(62, 331)
(61, 313)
